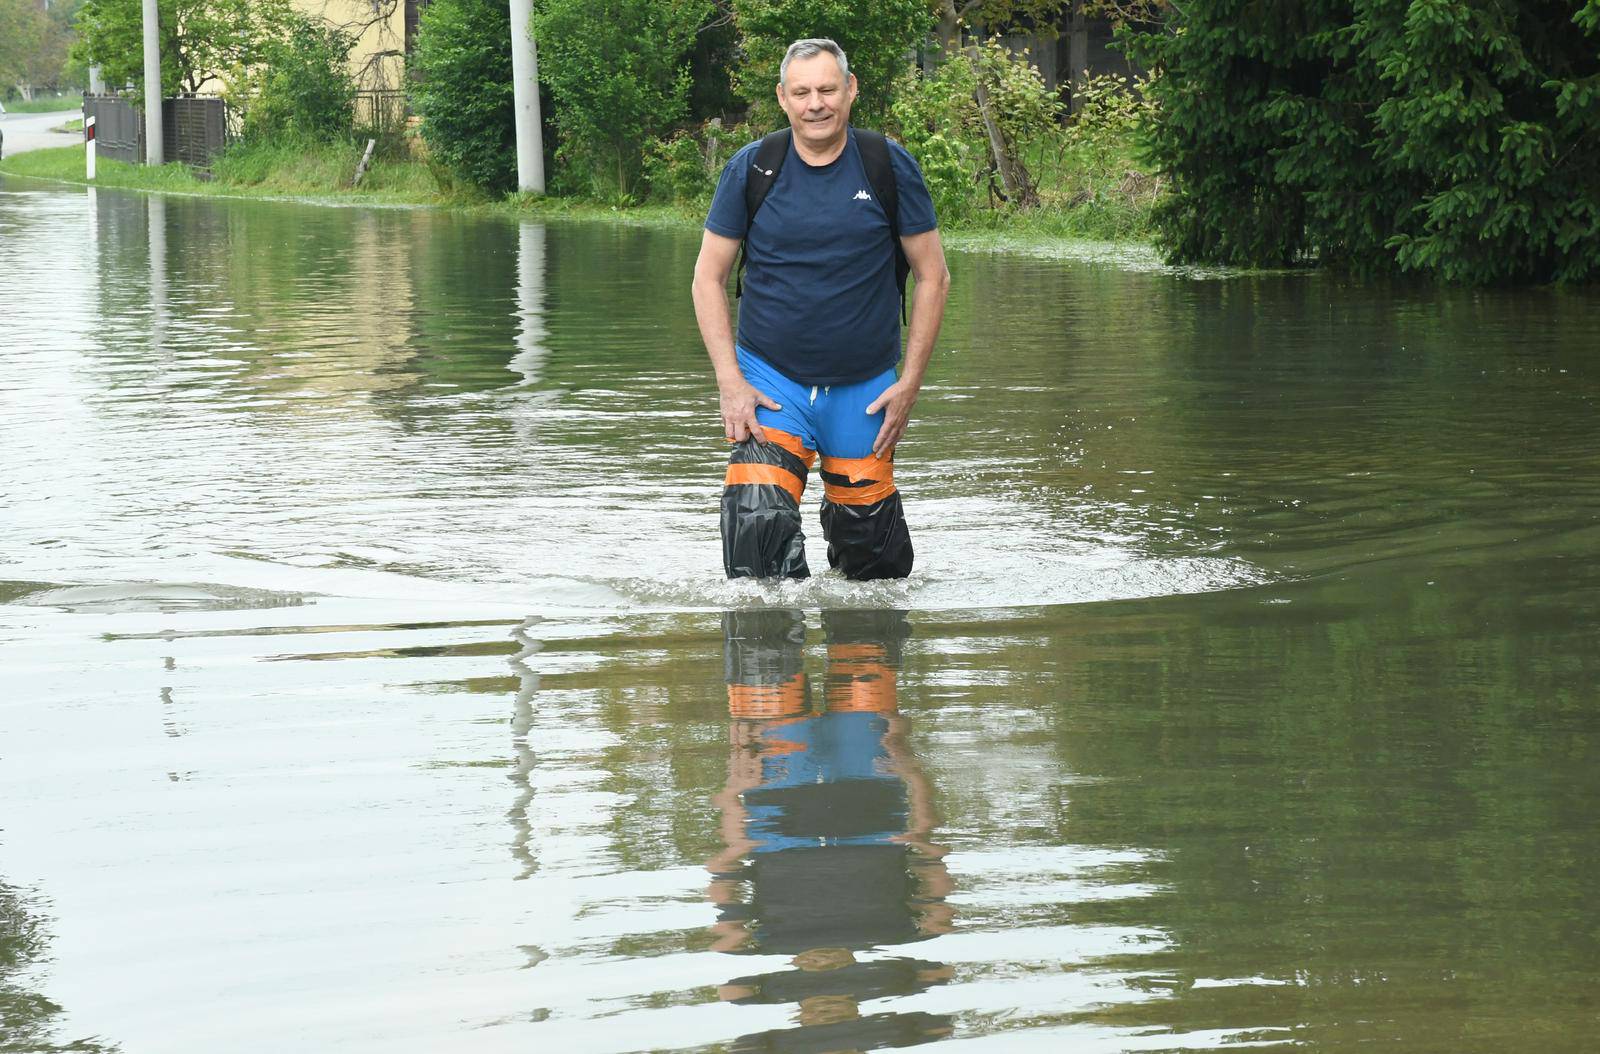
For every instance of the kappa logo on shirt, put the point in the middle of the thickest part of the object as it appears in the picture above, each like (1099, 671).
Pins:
(862, 195)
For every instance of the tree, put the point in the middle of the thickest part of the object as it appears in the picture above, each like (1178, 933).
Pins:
(201, 40)
(463, 68)
(33, 47)
(618, 71)
(1453, 137)
(878, 38)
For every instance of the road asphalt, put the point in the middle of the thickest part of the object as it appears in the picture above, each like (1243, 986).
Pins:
(31, 131)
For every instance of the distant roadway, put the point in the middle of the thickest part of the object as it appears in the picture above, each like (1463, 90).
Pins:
(31, 131)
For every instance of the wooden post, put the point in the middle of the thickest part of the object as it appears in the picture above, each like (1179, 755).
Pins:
(361, 169)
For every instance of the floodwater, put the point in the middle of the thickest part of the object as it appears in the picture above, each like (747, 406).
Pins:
(370, 683)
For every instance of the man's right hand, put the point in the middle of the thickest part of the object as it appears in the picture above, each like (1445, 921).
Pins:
(739, 401)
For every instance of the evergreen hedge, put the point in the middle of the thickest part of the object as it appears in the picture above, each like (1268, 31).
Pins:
(1458, 138)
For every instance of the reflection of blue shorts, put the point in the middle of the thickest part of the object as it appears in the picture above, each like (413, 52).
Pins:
(832, 420)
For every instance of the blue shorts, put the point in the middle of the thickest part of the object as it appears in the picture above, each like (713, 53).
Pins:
(831, 420)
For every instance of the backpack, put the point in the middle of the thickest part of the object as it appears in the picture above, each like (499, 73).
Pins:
(874, 150)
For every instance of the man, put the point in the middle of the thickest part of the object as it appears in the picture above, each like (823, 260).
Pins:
(813, 370)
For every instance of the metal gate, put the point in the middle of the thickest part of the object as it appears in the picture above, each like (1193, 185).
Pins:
(194, 128)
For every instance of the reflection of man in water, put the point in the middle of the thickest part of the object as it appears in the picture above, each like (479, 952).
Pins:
(826, 816)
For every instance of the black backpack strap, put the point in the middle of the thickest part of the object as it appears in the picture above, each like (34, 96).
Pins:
(764, 169)
(874, 149)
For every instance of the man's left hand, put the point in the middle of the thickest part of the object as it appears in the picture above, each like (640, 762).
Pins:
(896, 402)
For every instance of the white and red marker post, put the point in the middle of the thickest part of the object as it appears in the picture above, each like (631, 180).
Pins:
(88, 144)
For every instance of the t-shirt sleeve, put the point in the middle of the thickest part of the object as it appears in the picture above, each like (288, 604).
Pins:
(916, 204)
(727, 205)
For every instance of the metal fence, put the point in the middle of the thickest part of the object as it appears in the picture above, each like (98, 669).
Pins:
(194, 129)
(118, 127)
(381, 112)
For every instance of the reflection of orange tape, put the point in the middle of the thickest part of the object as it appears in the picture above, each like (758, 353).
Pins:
(769, 474)
(862, 687)
(852, 653)
(766, 701)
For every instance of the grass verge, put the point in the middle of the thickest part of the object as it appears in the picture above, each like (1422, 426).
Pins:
(50, 104)
(322, 172)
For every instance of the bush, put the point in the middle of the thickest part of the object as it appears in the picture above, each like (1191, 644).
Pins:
(304, 90)
(464, 95)
(937, 121)
(876, 37)
(619, 74)
(1453, 137)
(684, 168)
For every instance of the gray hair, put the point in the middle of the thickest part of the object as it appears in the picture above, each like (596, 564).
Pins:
(810, 48)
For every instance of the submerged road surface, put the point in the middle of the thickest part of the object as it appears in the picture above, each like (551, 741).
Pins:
(370, 683)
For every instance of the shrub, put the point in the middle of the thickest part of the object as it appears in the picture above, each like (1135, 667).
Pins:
(1453, 137)
(876, 37)
(619, 74)
(464, 95)
(935, 118)
(683, 169)
(303, 89)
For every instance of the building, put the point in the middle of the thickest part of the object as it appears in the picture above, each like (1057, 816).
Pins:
(385, 33)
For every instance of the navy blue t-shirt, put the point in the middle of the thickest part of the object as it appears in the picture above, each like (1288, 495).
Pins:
(820, 301)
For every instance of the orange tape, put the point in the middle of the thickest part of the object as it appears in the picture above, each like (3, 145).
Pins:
(792, 444)
(879, 472)
(842, 495)
(856, 469)
(769, 474)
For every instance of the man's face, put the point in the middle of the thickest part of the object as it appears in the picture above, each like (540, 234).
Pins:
(817, 99)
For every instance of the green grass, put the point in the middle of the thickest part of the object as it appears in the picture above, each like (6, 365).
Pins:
(45, 104)
(1110, 204)
(323, 171)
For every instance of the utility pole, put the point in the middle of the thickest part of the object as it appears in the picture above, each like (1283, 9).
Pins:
(152, 84)
(525, 96)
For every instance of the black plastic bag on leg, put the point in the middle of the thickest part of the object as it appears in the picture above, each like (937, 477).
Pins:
(761, 532)
(868, 541)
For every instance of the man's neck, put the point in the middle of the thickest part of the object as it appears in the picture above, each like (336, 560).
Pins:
(826, 155)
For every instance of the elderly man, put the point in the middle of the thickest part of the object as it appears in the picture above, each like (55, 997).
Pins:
(830, 217)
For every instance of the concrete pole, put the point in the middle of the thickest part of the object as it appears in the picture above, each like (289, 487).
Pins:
(525, 95)
(152, 84)
(97, 85)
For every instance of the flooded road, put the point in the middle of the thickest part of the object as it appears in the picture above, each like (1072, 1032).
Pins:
(371, 683)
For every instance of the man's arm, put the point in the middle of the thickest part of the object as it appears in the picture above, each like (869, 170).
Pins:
(925, 253)
(738, 397)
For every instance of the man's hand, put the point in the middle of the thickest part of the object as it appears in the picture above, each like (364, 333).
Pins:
(896, 402)
(739, 401)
